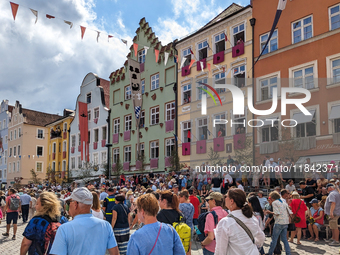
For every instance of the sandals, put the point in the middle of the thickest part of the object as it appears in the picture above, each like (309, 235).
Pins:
(13, 238)
(316, 239)
(311, 238)
(298, 243)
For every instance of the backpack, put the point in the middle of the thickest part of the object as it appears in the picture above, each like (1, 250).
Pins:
(201, 223)
(184, 232)
(50, 233)
(14, 203)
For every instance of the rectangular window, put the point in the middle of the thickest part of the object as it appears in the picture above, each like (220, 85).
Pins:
(269, 133)
(170, 111)
(304, 78)
(155, 81)
(115, 155)
(306, 129)
(239, 75)
(219, 42)
(18, 166)
(334, 17)
(220, 79)
(141, 148)
(142, 119)
(104, 158)
(335, 65)
(14, 151)
(143, 86)
(73, 163)
(141, 56)
(19, 150)
(239, 120)
(154, 149)
(96, 135)
(40, 133)
(96, 113)
(128, 92)
(302, 29)
(202, 50)
(186, 132)
(5, 157)
(9, 167)
(95, 158)
(116, 126)
(272, 44)
(53, 166)
(220, 129)
(64, 146)
(79, 139)
(89, 115)
(199, 91)
(73, 141)
(11, 135)
(127, 154)
(39, 167)
(104, 131)
(154, 115)
(116, 96)
(336, 125)
(40, 151)
(128, 122)
(169, 146)
(238, 34)
(15, 134)
(88, 98)
(14, 167)
(88, 137)
(186, 94)
(267, 86)
(10, 152)
(79, 162)
(203, 129)
(54, 148)
(187, 54)
(19, 133)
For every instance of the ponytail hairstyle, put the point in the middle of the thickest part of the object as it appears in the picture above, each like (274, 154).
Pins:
(171, 199)
(240, 200)
(255, 204)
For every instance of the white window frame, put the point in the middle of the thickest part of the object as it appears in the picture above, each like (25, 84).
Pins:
(269, 46)
(265, 77)
(63, 166)
(116, 126)
(88, 95)
(154, 148)
(96, 113)
(73, 141)
(220, 78)
(316, 108)
(239, 71)
(141, 148)
(237, 119)
(154, 81)
(104, 133)
(143, 86)
(185, 127)
(154, 115)
(89, 115)
(94, 135)
(186, 53)
(128, 122)
(19, 132)
(42, 150)
(73, 163)
(200, 125)
(218, 38)
(302, 27)
(199, 91)
(186, 88)
(169, 146)
(332, 15)
(96, 158)
(9, 168)
(5, 174)
(80, 163)
(142, 116)
(103, 159)
(54, 148)
(15, 134)
(201, 46)
(18, 166)
(304, 66)
(42, 166)
(215, 131)
(39, 129)
(127, 92)
(169, 107)
(115, 155)
(244, 23)
(127, 154)
(141, 56)
(329, 66)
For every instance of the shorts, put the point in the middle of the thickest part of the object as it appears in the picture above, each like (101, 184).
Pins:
(333, 223)
(280, 181)
(12, 216)
(195, 222)
(318, 225)
(266, 174)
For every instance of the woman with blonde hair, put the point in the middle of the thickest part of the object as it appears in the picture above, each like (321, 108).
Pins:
(299, 209)
(48, 213)
(96, 210)
(33, 203)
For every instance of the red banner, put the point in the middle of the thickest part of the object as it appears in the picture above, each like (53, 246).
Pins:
(83, 127)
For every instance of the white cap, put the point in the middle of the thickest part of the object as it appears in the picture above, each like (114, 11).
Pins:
(81, 195)
(271, 159)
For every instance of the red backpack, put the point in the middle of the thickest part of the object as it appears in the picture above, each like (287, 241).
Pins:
(50, 233)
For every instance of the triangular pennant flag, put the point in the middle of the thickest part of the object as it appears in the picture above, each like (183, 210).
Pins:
(183, 60)
(156, 54)
(191, 52)
(82, 31)
(49, 16)
(202, 66)
(14, 9)
(223, 68)
(146, 49)
(209, 67)
(98, 33)
(225, 37)
(35, 14)
(135, 48)
(191, 63)
(219, 67)
(108, 37)
(69, 23)
(166, 56)
(124, 41)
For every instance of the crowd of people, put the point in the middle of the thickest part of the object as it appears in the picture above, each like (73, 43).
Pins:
(171, 211)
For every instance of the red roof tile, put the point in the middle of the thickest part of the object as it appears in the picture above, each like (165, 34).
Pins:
(39, 118)
(106, 87)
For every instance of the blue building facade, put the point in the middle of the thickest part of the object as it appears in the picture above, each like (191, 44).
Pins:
(5, 115)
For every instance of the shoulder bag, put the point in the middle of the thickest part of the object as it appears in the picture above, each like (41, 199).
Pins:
(159, 231)
(297, 219)
(242, 225)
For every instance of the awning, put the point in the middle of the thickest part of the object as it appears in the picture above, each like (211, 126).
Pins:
(302, 118)
(335, 112)
(270, 122)
(320, 159)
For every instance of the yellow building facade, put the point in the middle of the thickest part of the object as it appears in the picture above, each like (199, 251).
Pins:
(224, 62)
(58, 148)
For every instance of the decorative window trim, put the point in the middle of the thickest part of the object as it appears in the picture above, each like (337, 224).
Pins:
(267, 76)
(293, 69)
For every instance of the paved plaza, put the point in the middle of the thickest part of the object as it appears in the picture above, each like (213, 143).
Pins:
(12, 247)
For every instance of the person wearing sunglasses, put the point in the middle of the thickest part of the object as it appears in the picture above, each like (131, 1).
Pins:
(85, 234)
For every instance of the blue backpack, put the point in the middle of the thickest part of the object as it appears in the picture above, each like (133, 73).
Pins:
(201, 224)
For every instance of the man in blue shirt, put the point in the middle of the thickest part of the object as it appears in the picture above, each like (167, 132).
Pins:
(103, 195)
(25, 205)
(85, 234)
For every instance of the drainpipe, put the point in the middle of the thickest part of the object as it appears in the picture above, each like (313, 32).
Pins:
(176, 99)
(252, 23)
(69, 146)
(108, 144)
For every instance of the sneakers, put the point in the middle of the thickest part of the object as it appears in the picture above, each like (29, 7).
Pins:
(5, 234)
(334, 243)
(329, 240)
(13, 238)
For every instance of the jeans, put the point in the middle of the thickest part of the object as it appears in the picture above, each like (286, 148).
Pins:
(279, 230)
(206, 252)
(216, 190)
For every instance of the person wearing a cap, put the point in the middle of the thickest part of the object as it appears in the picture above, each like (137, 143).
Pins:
(85, 234)
(317, 213)
(109, 203)
(332, 209)
(215, 201)
(307, 193)
(231, 238)
(263, 200)
(175, 189)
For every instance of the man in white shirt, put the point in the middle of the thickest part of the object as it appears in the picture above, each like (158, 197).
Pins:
(290, 186)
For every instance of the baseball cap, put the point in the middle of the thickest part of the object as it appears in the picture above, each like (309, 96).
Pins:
(329, 185)
(260, 191)
(175, 186)
(81, 195)
(216, 196)
(314, 201)
(110, 189)
(271, 159)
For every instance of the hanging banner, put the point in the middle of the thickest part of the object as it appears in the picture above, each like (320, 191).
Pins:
(35, 13)
(135, 48)
(83, 127)
(135, 83)
(124, 41)
(191, 63)
(82, 31)
(183, 61)
(50, 16)
(156, 55)
(209, 67)
(14, 9)
(69, 23)
(202, 66)
(166, 56)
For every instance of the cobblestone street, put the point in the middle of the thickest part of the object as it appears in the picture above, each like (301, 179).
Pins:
(12, 247)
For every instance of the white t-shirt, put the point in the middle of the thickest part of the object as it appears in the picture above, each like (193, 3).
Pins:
(102, 180)
(98, 215)
(227, 178)
(240, 187)
(290, 188)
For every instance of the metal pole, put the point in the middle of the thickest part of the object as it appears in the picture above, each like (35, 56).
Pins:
(252, 23)
(108, 145)
(176, 101)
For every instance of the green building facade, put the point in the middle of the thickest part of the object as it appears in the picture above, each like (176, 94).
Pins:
(157, 125)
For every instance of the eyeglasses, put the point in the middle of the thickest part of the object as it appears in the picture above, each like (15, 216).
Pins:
(68, 202)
